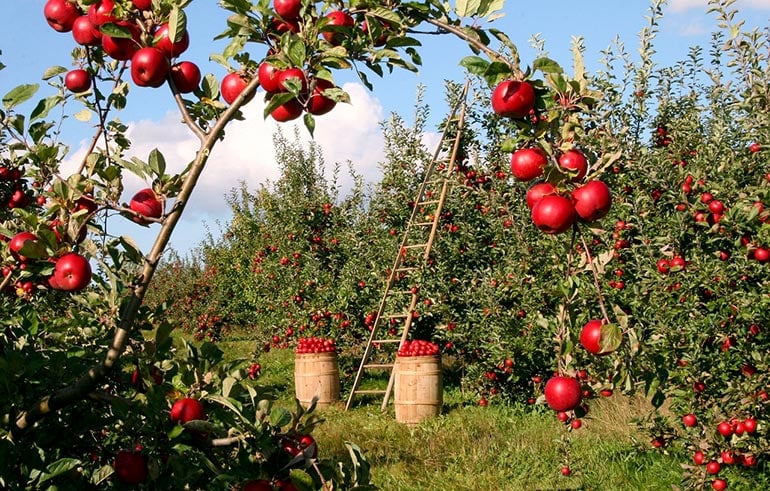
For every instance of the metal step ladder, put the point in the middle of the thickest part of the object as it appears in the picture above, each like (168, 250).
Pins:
(397, 306)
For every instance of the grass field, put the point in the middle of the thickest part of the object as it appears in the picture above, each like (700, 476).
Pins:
(485, 448)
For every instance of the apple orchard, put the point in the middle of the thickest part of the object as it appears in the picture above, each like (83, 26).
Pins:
(604, 233)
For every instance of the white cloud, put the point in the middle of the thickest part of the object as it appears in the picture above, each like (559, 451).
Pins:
(684, 5)
(351, 132)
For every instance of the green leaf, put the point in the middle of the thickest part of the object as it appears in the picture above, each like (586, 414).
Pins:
(475, 64)
(19, 95)
(309, 121)
(157, 162)
(280, 417)
(227, 386)
(116, 31)
(302, 480)
(53, 71)
(547, 65)
(58, 468)
(490, 7)
(611, 337)
(177, 25)
(44, 106)
(131, 249)
(83, 115)
(467, 8)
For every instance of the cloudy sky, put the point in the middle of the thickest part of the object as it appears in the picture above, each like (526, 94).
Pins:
(350, 132)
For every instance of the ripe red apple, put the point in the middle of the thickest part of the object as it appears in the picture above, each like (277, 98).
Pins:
(528, 163)
(130, 467)
(61, 14)
(287, 111)
(553, 214)
(562, 393)
(755, 147)
(162, 41)
(699, 457)
(146, 203)
(591, 337)
(268, 77)
(85, 33)
(292, 73)
(100, 13)
(592, 200)
(142, 4)
(149, 67)
(17, 242)
(287, 9)
(762, 254)
(187, 409)
(537, 191)
(513, 99)
(258, 485)
(318, 104)
(186, 76)
(72, 273)
(689, 420)
(336, 19)
(122, 49)
(575, 162)
(77, 80)
(713, 467)
(663, 265)
(719, 484)
(232, 86)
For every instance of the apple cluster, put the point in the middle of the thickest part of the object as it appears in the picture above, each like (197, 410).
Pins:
(14, 190)
(562, 198)
(125, 35)
(418, 347)
(315, 345)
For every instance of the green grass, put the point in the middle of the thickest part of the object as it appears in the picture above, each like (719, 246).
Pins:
(484, 448)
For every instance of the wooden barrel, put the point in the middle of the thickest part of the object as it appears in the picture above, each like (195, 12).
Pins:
(317, 374)
(418, 389)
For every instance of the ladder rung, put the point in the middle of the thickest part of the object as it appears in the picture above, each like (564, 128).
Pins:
(396, 316)
(409, 268)
(386, 341)
(381, 366)
(428, 202)
(422, 224)
(401, 292)
(414, 246)
(370, 391)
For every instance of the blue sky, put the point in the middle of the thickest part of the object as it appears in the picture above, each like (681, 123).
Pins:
(29, 46)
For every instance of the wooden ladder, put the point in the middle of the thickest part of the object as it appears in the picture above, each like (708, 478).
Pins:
(419, 235)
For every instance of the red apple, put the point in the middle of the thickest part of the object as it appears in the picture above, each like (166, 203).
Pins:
(61, 14)
(289, 74)
(689, 420)
(537, 191)
(755, 147)
(149, 67)
(592, 200)
(513, 99)
(762, 254)
(122, 49)
(232, 86)
(287, 111)
(268, 77)
(553, 214)
(72, 273)
(591, 337)
(85, 33)
(146, 203)
(162, 41)
(287, 9)
(77, 80)
(186, 76)
(528, 163)
(319, 104)
(563, 393)
(130, 467)
(336, 20)
(187, 409)
(142, 4)
(18, 241)
(100, 13)
(575, 162)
